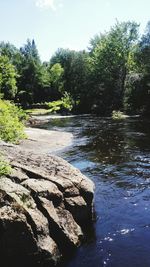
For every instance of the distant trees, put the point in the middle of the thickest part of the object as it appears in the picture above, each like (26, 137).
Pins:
(114, 74)
(31, 80)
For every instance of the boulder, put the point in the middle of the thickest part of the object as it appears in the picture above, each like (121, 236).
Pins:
(44, 204)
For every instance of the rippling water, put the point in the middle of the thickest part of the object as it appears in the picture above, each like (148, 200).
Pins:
(116, 156)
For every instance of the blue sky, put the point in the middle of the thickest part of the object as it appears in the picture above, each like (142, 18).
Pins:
(65, 23)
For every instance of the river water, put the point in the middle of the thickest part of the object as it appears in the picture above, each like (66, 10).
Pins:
(116, 156)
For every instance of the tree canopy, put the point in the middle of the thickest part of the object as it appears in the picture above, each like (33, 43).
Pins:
(113, 74)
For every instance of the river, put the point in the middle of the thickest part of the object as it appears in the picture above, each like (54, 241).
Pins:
(116, 156)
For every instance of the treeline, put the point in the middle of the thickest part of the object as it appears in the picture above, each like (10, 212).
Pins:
(114, 74)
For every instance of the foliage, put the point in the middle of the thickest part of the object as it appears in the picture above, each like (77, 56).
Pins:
(65, 104)
(67, 101)
(11, 122)
(5, 168)
(8, 76)
(137, 84)
(54, 106)
(56, 85)
(112, 75)
(118, 115)
(110, 65)
(134, 93)
(75, 71)
(37, 111)
(56, 72)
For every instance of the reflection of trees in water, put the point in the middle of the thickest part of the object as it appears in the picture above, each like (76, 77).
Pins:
(114, 142)
(104, 140)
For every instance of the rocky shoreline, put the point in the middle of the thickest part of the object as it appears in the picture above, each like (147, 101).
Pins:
(44, 205)
(45, 140)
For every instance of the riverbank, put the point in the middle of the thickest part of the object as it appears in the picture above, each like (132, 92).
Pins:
(45, 141)
(39, 119)
(45, 203)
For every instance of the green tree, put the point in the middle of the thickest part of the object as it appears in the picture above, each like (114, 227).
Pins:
(110, 65)
(137, 93)
(75, 73)
(56, 80)
(30, 51)
(30, 75)
(8, 77)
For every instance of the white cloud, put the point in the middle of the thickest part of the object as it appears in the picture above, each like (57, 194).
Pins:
(45, 4)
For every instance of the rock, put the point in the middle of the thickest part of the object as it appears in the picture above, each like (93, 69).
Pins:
(18, 175)
(64, 229)
(44, 204)
(78, 207)
(22, 203)
(16, 233)
(45, 189)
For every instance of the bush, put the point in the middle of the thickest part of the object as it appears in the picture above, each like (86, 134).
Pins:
(64, 104)
(11, 122)
(67, 101)
(54, 106)
(118, 115)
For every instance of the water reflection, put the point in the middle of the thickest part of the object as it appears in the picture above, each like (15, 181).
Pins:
(116, 156)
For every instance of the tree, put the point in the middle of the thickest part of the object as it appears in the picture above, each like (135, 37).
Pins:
(75, 74)
(30, 51)
(13, 54)
(109, 65)
(7, 78)
(55, 73)
(30, 74)
(137, 93)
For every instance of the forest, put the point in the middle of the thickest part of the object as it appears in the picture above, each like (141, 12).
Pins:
(112, 74)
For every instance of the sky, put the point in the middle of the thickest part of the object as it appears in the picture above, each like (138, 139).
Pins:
(65, 23)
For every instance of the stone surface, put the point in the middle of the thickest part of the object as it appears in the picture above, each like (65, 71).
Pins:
(47, 140)
(44, 204)
(45, 189)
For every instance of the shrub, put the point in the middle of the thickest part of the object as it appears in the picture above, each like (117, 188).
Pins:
(67, 101)
(54, 106)
(11, 122)
(118, 115)
(64, 104)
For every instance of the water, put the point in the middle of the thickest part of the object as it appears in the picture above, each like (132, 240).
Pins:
(116, 156)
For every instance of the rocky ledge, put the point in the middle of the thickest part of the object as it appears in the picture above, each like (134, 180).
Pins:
(44, 205)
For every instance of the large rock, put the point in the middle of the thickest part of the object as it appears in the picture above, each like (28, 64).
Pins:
(44, 204)
(24, 228)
